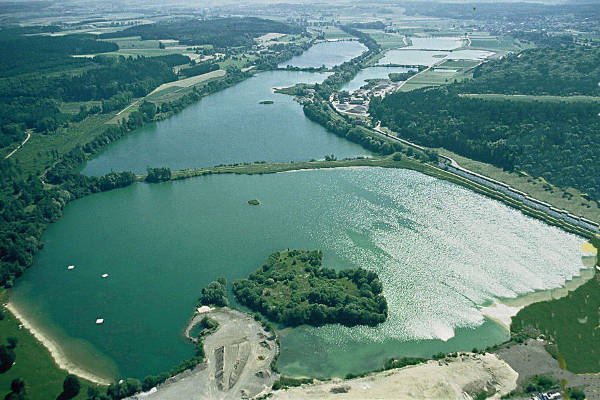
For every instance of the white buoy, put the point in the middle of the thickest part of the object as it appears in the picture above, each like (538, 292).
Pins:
(105, 275)
(71, 267)
(100, 321)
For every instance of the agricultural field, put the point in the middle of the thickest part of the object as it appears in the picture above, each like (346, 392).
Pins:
(386, 40)
(457, 64)
(169, 91)
(495, 43)
(331, 32)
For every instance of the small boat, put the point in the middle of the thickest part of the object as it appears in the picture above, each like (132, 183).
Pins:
(71, 267)
(100, 321)
(105, 275)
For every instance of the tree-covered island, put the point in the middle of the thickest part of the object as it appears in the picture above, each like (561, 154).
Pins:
(293, 288)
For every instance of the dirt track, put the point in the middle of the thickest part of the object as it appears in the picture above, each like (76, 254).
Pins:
(239, 355)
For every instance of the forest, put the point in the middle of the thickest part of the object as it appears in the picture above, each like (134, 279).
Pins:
(558, 71)
(556, 140)
(22, 51)
(220, 32)
(293, 288)
(32, 101)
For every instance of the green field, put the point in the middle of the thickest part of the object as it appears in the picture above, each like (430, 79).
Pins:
(572, 322)
(457, 64)
(33, 363)
(332, 32)
(36, 154)
(72, 107)
(385, 40)
(496, 43)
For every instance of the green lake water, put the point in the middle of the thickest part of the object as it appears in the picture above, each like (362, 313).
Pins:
(328, 54)
(229, 127)
(439, 249)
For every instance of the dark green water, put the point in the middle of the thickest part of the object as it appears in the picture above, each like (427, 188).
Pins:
(439, 249)
(229, 127)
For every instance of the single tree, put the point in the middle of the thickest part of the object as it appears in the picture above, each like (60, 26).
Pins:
(71, 387)
(7, 358)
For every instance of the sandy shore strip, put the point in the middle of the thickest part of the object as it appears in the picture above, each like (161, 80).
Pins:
(55, 351)
(501, 313)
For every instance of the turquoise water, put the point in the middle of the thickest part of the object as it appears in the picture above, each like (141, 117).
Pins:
(229, 127)
(328, 54)
(412, 57)
(435, 43)
(371, 73)
(439, 249)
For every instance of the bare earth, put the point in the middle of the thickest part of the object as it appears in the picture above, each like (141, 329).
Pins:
(531, 358)
(463, 377)
(239, 355)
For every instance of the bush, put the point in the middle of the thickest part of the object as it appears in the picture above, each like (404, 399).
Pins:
(7, 358)
(71, 387)
(214, 294)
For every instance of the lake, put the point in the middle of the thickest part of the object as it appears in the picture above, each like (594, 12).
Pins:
(435, 43)
(328, 54)
(371, 73)
(439, 249)
(412, 57)
(229, 127)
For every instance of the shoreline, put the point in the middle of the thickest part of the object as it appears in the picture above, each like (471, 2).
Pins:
(55, 350)
(501, 311)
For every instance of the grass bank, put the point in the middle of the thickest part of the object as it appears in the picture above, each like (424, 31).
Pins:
(571, 322)
(33, 363)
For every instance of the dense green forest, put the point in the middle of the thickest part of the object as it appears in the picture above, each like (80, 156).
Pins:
(220, 32)
(557, 140)
(561, 71)
(293, 288)
(21, 52)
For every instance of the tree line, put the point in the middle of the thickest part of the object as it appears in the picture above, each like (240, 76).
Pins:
(219, 32)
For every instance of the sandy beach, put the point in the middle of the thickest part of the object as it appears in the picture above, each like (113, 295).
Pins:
(55, 350)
